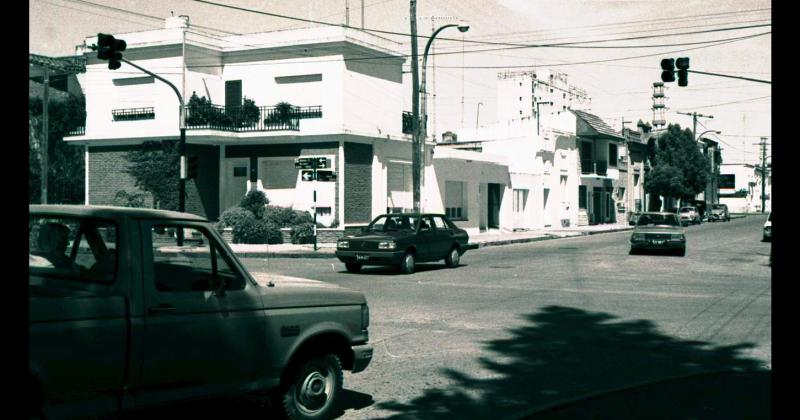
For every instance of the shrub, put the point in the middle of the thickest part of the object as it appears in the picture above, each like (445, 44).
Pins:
(303, 233)
(273, 232)
(286, 217)
(255, 201)
(125, 199)
(250, 231)
(232, 217)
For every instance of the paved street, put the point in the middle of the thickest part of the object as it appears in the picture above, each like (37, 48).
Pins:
(522, 328)
(526, 326)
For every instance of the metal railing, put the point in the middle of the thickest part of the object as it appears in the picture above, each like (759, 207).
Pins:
(599, 167)
(246, 119)
(78, 131)
(133, 114)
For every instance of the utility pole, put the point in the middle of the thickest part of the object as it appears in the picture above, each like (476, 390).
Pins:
(347, 12)
(415, 143)
(623, 125)
(763, 145)
(694, 116)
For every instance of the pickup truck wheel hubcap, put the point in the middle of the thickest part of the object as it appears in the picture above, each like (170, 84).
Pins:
(315, 391)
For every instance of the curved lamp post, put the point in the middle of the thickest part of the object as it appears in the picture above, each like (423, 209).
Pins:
(421, 133)
(477, 118)
(714, 188)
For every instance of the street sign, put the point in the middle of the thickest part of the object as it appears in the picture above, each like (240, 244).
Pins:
(311, 163)
(308, 175)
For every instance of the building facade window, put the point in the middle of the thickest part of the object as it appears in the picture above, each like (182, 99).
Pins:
(612, 154)
(455, 201)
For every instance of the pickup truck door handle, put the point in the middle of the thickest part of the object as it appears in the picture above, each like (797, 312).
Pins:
(161, 308)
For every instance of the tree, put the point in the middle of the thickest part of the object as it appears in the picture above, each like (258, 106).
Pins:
(154, 167)
(65, 168)
(679, 168)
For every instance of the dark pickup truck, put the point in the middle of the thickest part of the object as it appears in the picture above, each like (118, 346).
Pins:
(132, 308)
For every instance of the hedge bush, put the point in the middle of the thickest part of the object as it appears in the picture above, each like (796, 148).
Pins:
(255, 201)
(286, 217)
(303, 233)
(233, 216)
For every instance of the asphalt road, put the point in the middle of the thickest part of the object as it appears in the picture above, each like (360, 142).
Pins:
(521, 328)
(566, 328)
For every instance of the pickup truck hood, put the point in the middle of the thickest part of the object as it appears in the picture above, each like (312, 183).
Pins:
(294, 292)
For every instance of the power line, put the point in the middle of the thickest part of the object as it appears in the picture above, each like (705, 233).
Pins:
(564, 45)
(733, 102)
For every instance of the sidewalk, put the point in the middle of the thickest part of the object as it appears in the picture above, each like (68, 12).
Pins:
(481, 240)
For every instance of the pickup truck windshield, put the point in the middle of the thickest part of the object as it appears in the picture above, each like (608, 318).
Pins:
(72, 249)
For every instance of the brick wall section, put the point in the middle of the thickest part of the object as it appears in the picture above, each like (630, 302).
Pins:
(358, 183)
(108, 175)
(324, 235)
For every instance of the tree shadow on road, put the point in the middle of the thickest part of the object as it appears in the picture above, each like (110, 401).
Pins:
(563, 356)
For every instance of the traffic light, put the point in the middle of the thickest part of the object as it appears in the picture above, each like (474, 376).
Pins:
(683, 71)
(668, 70)
(109, 48)
(191, 167)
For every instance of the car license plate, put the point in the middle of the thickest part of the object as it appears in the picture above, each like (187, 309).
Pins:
(362, 257)
(658, 242)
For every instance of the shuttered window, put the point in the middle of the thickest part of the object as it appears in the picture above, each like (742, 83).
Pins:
(455, 201)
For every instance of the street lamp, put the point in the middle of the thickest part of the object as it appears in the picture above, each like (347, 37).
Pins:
(477, 118)
(419, 141)
(714, 188)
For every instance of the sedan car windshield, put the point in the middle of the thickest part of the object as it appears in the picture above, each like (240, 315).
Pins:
(657, 220)
(393, 223)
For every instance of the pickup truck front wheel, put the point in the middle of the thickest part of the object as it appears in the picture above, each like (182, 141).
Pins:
(314, 390)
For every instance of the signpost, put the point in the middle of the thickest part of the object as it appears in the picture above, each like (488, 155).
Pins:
(315, 163)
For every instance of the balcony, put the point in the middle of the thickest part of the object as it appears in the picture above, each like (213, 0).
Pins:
(78, 131)
(598, 167)
(248, 118)
(133, 114)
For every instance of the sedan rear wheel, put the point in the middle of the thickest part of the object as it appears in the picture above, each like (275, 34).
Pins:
(407, 265)
(453, 258)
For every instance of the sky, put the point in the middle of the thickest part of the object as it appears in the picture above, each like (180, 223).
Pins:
(620, 86)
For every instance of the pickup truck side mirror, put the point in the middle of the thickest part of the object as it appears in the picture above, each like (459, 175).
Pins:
(218, 285)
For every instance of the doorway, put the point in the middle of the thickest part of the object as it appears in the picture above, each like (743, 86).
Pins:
(237, 176)
(494, 199)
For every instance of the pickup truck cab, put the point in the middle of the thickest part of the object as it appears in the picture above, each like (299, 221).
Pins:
(131, 308)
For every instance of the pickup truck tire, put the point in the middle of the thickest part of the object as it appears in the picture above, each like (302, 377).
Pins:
(352, 267)
(314, 389)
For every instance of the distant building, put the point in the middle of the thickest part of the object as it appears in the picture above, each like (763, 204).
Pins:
(740, 187)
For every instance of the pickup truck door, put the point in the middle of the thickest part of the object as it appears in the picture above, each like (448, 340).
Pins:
(198, 341)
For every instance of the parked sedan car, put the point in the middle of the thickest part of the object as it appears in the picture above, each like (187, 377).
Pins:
(690, 215)
(403, 240)
(768, 229)
(719, 212)
(658, 231)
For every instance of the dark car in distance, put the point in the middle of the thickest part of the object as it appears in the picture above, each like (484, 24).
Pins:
(658, 231)
(719, 212)
(403, 240)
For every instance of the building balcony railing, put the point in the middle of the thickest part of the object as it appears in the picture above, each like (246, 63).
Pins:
(78, 131)
(599, 167)
(248, 118)
(133, 114)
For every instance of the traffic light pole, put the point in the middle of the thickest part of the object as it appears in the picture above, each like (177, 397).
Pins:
(182, 144)
(314, 165)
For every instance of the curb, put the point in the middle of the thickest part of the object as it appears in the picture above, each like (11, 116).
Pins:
(309, 254)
